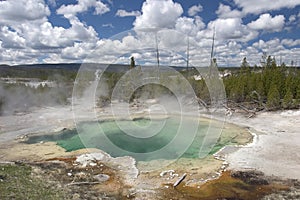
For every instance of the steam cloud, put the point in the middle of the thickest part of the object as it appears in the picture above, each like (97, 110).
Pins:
(19, 97)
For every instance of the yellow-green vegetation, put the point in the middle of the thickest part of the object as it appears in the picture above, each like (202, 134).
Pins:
(17, 182)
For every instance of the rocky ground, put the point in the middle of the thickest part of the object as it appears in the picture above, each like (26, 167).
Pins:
(94, 177)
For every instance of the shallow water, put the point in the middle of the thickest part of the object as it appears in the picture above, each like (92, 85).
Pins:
(142, 139)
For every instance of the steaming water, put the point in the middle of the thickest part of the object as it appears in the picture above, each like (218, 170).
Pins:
(141, 148)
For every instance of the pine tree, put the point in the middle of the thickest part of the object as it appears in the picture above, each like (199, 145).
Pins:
(291, 84)
(245, 68)
(273, 63)
(269, 62)
(273, 101)
(237, 92)
(132, 63)
(297, 103)
(278, 77)
(260, 88)
(288, 100)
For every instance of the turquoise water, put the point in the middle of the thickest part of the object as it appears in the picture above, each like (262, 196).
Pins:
(143, 139)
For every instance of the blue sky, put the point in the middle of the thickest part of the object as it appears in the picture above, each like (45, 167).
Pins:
(54, 31)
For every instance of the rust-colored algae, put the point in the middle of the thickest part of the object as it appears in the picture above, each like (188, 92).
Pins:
(68, 160)
(113, 187)
(225, 187)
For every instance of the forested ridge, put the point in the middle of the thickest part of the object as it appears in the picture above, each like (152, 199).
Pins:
(268, 87)
(272, 86)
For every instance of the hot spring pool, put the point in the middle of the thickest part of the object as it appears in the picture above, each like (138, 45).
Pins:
(113, 138)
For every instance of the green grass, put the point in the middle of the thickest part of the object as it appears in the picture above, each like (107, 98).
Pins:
(16, 182)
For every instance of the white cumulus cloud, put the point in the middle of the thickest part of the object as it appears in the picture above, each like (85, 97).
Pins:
(158, 14)
(189, 26)
(194, 10)
(83, 6)
(124, 13)
(13, 12)
(26, 35)
(260, 6)
(291, 42)
(292, 18)
(230, 29)
(11, 39)
(225, 11)
(268, 23)
(273, 47)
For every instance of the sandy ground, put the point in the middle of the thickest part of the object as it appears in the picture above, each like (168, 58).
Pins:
(274, 151)
(276, 147)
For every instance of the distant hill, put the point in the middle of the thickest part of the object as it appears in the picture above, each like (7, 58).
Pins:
(70, 66)
(44, 70)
